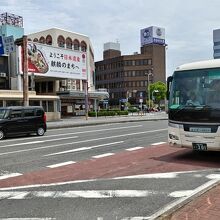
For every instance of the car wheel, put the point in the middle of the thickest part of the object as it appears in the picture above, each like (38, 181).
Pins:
(40, 131)
(2, 135)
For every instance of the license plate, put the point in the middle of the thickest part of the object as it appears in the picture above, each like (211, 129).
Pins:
(200, 130)
(199, 146)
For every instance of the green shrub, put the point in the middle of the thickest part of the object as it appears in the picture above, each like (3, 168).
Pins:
(107, 113)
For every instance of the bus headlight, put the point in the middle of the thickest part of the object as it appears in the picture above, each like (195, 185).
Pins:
(175, 125)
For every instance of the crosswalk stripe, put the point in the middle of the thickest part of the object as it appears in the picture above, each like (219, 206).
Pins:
(98, 194)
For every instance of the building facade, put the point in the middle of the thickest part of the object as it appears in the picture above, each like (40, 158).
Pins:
(126, 77)
(70, 90)
(60, 69)
(216, 44)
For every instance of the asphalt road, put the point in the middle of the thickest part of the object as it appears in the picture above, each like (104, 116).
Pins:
(103, 172)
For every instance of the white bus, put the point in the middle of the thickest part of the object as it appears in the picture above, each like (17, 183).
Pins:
(193, 92)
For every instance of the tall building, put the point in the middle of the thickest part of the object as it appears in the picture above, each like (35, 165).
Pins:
(126, 77)
(216, 43)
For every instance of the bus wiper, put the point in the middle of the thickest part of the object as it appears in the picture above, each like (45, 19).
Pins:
(185, 107)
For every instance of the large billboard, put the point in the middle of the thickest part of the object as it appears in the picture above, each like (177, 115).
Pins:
(153, 35)
(1, 46)
(56, 62)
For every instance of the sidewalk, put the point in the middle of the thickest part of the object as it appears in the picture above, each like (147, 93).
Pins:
(81, 121)
(203, 206)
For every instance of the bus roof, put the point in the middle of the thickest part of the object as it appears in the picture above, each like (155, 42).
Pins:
(214, 63)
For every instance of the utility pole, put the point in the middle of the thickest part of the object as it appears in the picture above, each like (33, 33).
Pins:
(148, 85)
(86, 99)
(23, 42)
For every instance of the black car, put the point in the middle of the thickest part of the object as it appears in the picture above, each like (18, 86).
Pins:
(18, 120)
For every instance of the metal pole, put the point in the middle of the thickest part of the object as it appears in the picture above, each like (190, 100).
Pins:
(95, 105)
(86, 99)
(25, 73)
(148, 90)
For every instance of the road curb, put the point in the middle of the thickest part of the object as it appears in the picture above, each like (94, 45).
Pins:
(166, 212)
(91, 123)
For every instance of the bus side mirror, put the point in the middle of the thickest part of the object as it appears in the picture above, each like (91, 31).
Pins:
(169, 81)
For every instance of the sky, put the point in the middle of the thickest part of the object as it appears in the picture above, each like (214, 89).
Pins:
(188, 24)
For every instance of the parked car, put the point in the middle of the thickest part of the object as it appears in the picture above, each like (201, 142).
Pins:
(19, 120)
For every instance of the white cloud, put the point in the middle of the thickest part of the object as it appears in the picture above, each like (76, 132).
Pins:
(189, 24)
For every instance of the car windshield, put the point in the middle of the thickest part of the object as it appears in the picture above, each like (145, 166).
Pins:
(3, 113)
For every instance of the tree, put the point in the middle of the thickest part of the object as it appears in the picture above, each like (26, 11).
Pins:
(159, 93)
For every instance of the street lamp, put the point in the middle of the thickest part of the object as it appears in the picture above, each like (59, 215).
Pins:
(148, 85)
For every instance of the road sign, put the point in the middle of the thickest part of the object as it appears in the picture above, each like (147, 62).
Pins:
(123, 100)
(1, 46)
(9, 45)
(105, 101)
(141, 100)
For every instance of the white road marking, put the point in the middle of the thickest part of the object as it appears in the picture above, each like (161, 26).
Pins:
(84, 141)
(156, 175)
(38, 142)
(213, 176)
(72, 133)
(46, 218)
(158, 143)
(97, 194)
(134, 148)
(61, 164)
(83, 148)
(5, 176)
(103, 155)
(136, 218)
(150, 176)
(180, 194)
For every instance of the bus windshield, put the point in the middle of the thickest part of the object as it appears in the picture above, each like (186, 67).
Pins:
(195, 89)
(195, 96)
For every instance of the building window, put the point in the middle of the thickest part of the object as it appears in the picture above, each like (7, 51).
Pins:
(69, 43)
(217, 43)
(50, 106)
(76, 44)
(44, 87)
(61, 41)
(42, 40)
(35, 40)
(13, 102)
(149, 61)
(50, 86)
(145, 62)
(83, 46)
(49, 40)
(217, 51)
